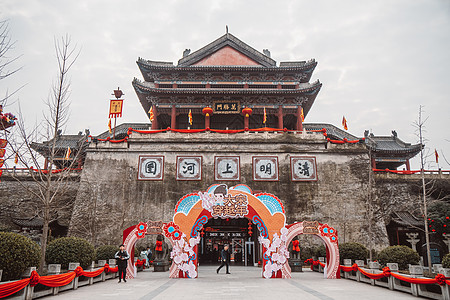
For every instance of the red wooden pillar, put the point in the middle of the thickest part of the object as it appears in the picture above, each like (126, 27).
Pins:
(207, 120)
(246, 112)
(408, 167)
(173, 117)
(280, 117)
(374, 164)
(155, 118)
(299, 125)
(207, 111)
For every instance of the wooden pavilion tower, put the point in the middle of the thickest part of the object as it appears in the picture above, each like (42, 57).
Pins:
(227, 84)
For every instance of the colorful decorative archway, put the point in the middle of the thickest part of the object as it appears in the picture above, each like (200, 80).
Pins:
(132, 234)
(265, 210)
(327, 234)
(194, 210)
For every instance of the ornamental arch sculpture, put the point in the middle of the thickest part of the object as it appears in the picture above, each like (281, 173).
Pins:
(264, 210)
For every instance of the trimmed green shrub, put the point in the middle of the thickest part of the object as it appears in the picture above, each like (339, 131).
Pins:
(18, 253)
(70, 249)
(106, 252)
(353, 251)
(446, 261)
(402, 255)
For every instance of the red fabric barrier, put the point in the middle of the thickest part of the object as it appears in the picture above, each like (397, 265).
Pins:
(354, 267)
(10, 288)
(344, 141)
(56, 171)
(57, 280)
(371, 275)
(439, 279)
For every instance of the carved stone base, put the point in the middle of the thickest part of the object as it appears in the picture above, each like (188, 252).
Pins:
(296, 265)
(161, 266)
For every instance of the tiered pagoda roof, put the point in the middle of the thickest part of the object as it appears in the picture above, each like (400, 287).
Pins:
(226, 69)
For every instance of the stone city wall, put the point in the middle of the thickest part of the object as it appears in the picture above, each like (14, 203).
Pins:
(111, 198)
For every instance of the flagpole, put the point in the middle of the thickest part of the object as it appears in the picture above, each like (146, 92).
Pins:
(114, 132)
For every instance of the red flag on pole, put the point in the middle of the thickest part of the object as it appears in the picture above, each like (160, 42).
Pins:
(152, 115)
(16, 159)
(190, 117)
(344, 123)
(436, 155)
(265, 116)
(67, 157)
(109, 126)
(302, 116)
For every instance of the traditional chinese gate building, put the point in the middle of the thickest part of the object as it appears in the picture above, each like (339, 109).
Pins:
(228, 114)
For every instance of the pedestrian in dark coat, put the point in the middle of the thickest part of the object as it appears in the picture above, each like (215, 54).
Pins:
(122, 257)
(225, 255)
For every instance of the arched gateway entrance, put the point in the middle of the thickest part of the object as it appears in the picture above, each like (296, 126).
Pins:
(264, 210)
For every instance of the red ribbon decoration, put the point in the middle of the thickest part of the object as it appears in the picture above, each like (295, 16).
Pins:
(10, 288)
(158, 246)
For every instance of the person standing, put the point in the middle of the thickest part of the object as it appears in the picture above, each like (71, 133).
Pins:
(225, 255)
(149, 256)
(122, 257)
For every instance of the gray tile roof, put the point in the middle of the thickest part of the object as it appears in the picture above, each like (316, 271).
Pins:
(333, 132)
(405, 218)
(122, 129)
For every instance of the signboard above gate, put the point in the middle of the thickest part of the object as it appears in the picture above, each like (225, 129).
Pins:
(227, 107)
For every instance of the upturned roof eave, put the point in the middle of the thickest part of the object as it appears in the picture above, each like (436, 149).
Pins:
(139, 87)
(148, 66)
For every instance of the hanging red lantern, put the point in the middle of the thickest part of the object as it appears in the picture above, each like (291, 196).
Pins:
(247, 111)
(207, 111)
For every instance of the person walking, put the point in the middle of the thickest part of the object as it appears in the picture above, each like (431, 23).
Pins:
(225, 255)
(122, 257)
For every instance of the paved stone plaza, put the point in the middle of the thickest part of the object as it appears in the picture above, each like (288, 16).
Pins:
(243, 281)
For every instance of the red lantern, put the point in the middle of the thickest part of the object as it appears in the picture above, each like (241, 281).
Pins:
(247, 111)
(207, 111)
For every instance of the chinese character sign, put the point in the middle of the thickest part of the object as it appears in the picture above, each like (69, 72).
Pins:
(115, 108)
(265, 168)
(226, 168)
(222, 107)
(189, 168)
(223, 205)
(303, 168)
(151, 168)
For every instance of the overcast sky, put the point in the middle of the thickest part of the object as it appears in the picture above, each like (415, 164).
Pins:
(378, 60)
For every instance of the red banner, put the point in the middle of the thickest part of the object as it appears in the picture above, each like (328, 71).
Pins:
(115, 108)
